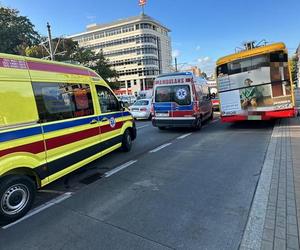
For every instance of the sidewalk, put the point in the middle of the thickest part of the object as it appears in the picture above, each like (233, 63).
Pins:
(273, 221)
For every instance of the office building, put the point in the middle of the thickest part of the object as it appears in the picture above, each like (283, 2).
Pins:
(138, 48)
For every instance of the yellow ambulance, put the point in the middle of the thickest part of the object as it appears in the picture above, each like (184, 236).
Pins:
(54, 118)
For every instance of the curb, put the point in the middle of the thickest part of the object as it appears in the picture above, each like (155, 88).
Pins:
(252, 237)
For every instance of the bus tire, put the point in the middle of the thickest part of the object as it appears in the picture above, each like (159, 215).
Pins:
(17, 194)
(126, 141)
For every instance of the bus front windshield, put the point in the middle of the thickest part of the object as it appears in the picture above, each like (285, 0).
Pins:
(258, 83)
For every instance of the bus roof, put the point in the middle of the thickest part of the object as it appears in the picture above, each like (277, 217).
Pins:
(252, 52)
(18, 62)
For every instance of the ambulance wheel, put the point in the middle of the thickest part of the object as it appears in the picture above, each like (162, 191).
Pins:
(16, 197)
(212, 115)
(198, 124)
(126, 141)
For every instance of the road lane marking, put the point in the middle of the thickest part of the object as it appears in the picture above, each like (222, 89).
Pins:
(117, 169)
(41, 208)
(50, 191)
(183, 136)
(144, 126)
(160, 147)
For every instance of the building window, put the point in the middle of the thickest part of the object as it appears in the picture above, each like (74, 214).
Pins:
(128, 84)
(134, 81)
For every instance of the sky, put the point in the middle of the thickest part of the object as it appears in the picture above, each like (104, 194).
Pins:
(201, 30)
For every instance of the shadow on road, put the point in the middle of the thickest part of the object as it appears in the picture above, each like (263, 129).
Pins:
(252, 125)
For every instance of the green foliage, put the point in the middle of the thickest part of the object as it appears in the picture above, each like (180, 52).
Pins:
(17, 36)
(294, 68)
(16, 32)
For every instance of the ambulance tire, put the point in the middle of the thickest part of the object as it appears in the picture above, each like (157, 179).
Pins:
(198, 124)
(211, 115)
(126, 141)
(17, 194)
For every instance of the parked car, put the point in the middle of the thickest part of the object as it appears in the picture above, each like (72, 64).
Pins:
(141, 109)
(127, 99)
(215, 102)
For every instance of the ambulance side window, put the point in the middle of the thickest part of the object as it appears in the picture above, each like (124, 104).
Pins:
(59, 101)
(107, 100)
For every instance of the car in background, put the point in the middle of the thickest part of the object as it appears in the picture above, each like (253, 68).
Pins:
(215, 102)
(141, 109)
(127, 99)
(212, 85)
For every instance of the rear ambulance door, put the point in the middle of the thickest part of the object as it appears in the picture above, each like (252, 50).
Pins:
(163, 105)
(69, 123)
(182, 100)
(111, 117)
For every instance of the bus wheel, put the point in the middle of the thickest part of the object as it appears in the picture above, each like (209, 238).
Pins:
(126, 141)
(16, 197)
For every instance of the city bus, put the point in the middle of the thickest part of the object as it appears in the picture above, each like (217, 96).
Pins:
(255, 84)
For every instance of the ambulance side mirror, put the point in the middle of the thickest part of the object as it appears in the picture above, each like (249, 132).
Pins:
(121, 105)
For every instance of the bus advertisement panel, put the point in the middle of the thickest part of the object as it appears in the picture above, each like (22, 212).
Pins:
(256, 87)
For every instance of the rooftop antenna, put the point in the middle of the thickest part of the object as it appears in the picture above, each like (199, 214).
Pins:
(142, 3)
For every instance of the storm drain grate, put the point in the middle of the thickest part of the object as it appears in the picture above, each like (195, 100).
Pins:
(92, 178)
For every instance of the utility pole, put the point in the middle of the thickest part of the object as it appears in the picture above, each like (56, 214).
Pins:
(176, 70)
(52, 56)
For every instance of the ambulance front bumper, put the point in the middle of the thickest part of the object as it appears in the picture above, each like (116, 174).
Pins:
(184, 122)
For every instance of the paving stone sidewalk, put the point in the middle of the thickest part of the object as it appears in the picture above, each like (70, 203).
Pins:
(273, 222)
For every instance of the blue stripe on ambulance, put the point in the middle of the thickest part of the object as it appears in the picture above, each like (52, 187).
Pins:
(18, 134)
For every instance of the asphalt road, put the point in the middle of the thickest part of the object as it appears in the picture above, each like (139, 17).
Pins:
(195, 192)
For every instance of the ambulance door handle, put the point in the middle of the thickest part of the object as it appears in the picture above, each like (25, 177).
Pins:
(104, 119)
(93, 121)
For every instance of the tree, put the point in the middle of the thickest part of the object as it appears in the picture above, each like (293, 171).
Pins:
(16, 32)
(69, 50)
(294, 68)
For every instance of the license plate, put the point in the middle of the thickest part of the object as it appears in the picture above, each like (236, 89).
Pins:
(161, 114)
(254, 117)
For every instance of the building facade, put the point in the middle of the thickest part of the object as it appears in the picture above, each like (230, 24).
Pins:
(298, 66)
(138, 48)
